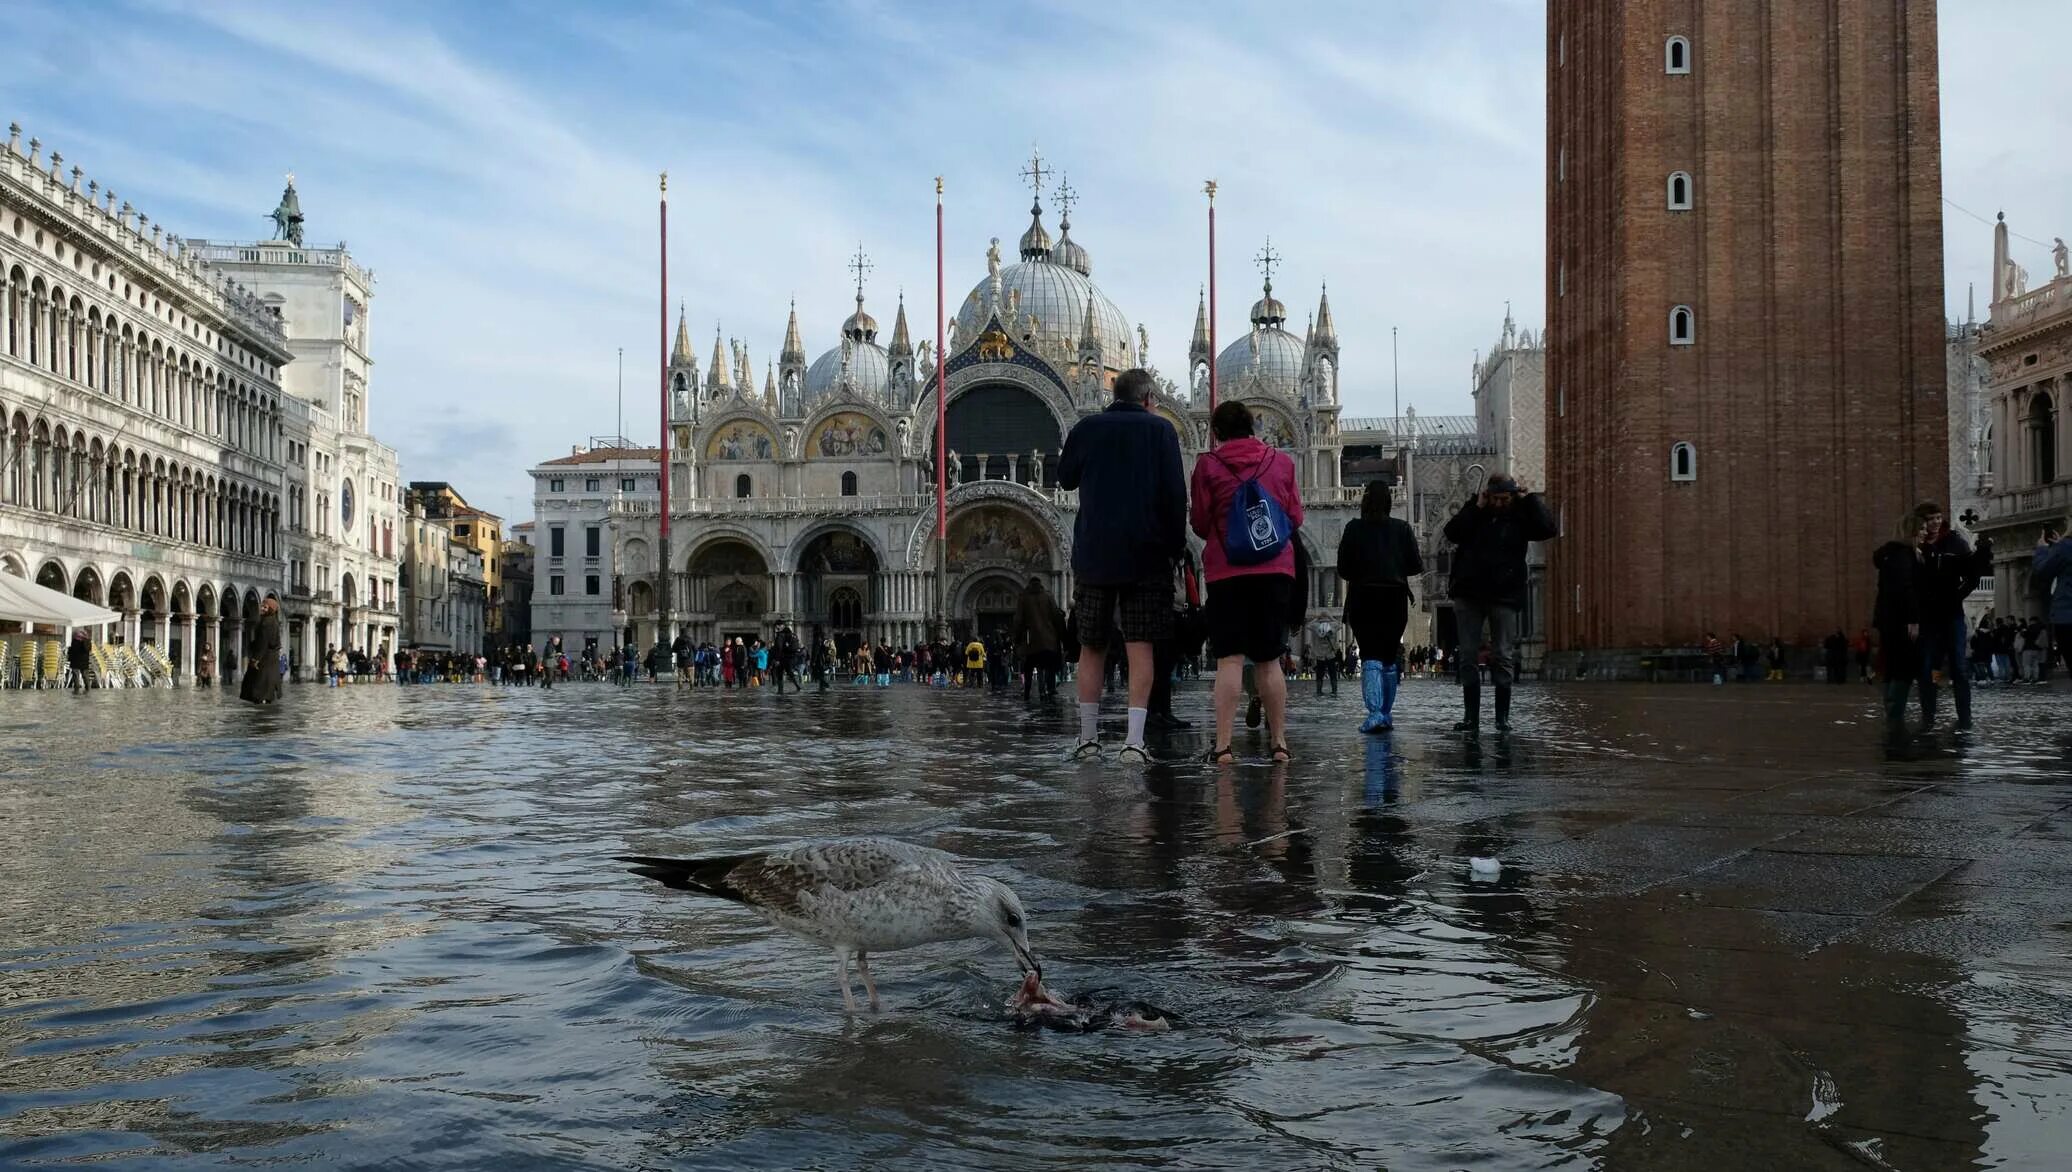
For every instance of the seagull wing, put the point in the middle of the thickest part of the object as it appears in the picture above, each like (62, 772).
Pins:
(779, 881)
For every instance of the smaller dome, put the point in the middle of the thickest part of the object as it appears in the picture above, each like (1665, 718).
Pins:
(860, 325)
(1036, 241)
(870, 371)
(1276, 363)
(1268, 310)
(1070, 253)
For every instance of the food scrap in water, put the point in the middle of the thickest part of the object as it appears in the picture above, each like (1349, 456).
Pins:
(1036, 1007)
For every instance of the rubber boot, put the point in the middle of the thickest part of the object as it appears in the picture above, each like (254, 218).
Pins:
(1928, 691)
(1471, 700)
(1896, 706)
(1391, 679)
(1503, 708)
(1374, 690)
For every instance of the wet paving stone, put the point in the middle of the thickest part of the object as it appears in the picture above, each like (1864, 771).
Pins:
(377, 927)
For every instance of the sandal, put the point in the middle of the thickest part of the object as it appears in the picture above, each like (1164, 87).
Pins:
(1281, 755)
(1222, 756)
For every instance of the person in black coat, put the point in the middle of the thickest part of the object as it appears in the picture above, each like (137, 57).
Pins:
(262, 682)
(1377, 558)
(79, 657)
(1490, 535)
(1897, 615)
(1950, 571)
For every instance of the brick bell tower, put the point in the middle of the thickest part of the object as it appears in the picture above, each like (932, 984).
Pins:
(1745, 370)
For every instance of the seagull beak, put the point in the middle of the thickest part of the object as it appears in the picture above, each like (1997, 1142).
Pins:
(1027, 960)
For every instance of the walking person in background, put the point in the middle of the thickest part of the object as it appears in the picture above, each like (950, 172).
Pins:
(1835, 650)
(1246, 506)
(1897, 616)
(1320, 645)
(1131, 527)
(784, 654)
(79, 656)
(1377, 559)
(1490, 535)
(2051, 571)
(1860, 647)
(1039, 628)
(1776, 659)
(1950, 571)
(262, 682)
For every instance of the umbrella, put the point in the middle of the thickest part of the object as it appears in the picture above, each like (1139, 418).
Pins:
(24, 601)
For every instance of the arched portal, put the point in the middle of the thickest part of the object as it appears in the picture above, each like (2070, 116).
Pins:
(87, 587)
(730, 590)
(152, 613)
(994, 547)
(835, 573)
(993, 422)
(52, 575)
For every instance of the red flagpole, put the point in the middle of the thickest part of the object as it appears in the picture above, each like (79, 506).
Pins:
(662, 579)
(1210, 188)
(942, 397)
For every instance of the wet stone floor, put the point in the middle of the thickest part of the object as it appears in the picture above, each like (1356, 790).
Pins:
(379, 927)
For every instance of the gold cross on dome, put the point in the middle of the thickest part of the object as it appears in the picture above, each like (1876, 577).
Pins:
(1035, 172)
(1065, 196)
(1266, 259)
(860, 265)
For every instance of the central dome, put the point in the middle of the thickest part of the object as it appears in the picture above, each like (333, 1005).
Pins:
(1268, 353)
(869, 371)
(1057, 297)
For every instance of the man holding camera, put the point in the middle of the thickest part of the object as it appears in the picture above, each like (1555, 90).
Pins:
(1950, 571)
(1490, 535)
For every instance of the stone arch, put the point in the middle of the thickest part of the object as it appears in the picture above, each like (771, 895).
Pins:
(731, 584)
(183, 598)
(87, 586)
(837, 569)
(52, 574)
(122, 592)
(710, 535)
(1035, 504)
(741, 434)
(984, 602)
(972, 380)
(829, 436)
(348, 594)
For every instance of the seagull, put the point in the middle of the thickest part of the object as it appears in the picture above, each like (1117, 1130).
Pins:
(857, 896)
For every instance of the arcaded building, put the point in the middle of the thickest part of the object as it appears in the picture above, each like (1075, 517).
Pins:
(1745, 348)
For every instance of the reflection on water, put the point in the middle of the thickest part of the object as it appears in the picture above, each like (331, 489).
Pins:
(378, 926)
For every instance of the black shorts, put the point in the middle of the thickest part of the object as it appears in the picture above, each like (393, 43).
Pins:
(1248, 616)
(1143, 611)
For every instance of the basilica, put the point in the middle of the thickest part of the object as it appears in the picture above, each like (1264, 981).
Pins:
(812, 499)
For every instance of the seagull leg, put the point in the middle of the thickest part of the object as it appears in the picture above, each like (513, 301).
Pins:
(842, 975)
(863, 965)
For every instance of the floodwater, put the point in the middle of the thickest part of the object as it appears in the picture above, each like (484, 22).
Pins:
(379, 927)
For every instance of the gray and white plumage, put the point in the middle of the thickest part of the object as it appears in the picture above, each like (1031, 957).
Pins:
(857, 896)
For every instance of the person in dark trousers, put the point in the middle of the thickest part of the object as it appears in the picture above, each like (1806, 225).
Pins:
(1184, 642)
(1132, 525)
(262, 682)
(79, 656)
(784, 658)
(1950, 571)
(2051, 571)
(1490, 535)
(1039, 629)
(1377, 559)
(1897, 615)
(1835, 649)
(686, 654)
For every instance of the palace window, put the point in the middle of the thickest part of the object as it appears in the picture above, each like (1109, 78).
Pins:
(2042, 420)
(743, 485)
(555, 584)
(556, 538)
(557, 486)
(1683, 326)
(1679, 191)
(591, 484)
(626, 484)
(848, 484)
(1683, 462)
(590, 584)
(1676, 55)
(590, 541)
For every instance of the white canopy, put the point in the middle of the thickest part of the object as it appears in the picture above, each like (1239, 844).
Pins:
(24, 601)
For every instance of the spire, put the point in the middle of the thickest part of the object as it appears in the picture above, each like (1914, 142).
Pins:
(680, 354)
(747, 372)
(794, 348)
(770, 388)
(1198, 347)
(718, 376)
(1327, 333)
(901, 344)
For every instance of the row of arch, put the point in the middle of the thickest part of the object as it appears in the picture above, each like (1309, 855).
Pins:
(65, 334)
(64, 472)
(150, 593)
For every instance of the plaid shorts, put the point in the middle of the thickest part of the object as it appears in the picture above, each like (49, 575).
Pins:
(1143, 611)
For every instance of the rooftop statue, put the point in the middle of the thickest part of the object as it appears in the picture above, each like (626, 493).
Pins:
(287, 218)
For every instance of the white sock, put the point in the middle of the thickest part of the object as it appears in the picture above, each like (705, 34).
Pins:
(1136, 733)
(1089, 721)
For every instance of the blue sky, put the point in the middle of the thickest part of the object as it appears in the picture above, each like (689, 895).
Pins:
(495, 164)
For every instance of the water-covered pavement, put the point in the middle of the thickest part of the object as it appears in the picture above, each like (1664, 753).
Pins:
(379, 928)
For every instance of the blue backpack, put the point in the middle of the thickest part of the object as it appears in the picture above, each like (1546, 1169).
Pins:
(1258, 528)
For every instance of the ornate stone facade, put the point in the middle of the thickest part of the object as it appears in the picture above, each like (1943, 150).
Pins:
(814, 501)
(2027, 348)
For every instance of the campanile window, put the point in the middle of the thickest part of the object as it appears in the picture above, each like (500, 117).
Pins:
(1676, 55)
(1683, 329)
(1679, 191)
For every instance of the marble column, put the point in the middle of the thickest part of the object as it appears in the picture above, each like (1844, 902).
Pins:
(185, 668)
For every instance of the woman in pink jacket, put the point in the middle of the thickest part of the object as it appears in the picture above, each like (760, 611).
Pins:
(1248, 604)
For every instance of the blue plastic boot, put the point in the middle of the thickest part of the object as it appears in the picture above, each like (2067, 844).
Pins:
(1374, 690)
(1391, 679)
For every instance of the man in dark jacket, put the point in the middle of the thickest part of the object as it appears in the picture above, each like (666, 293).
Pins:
(1950, 571)
(784, 658)
(1132, 526)
(1490, 535)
